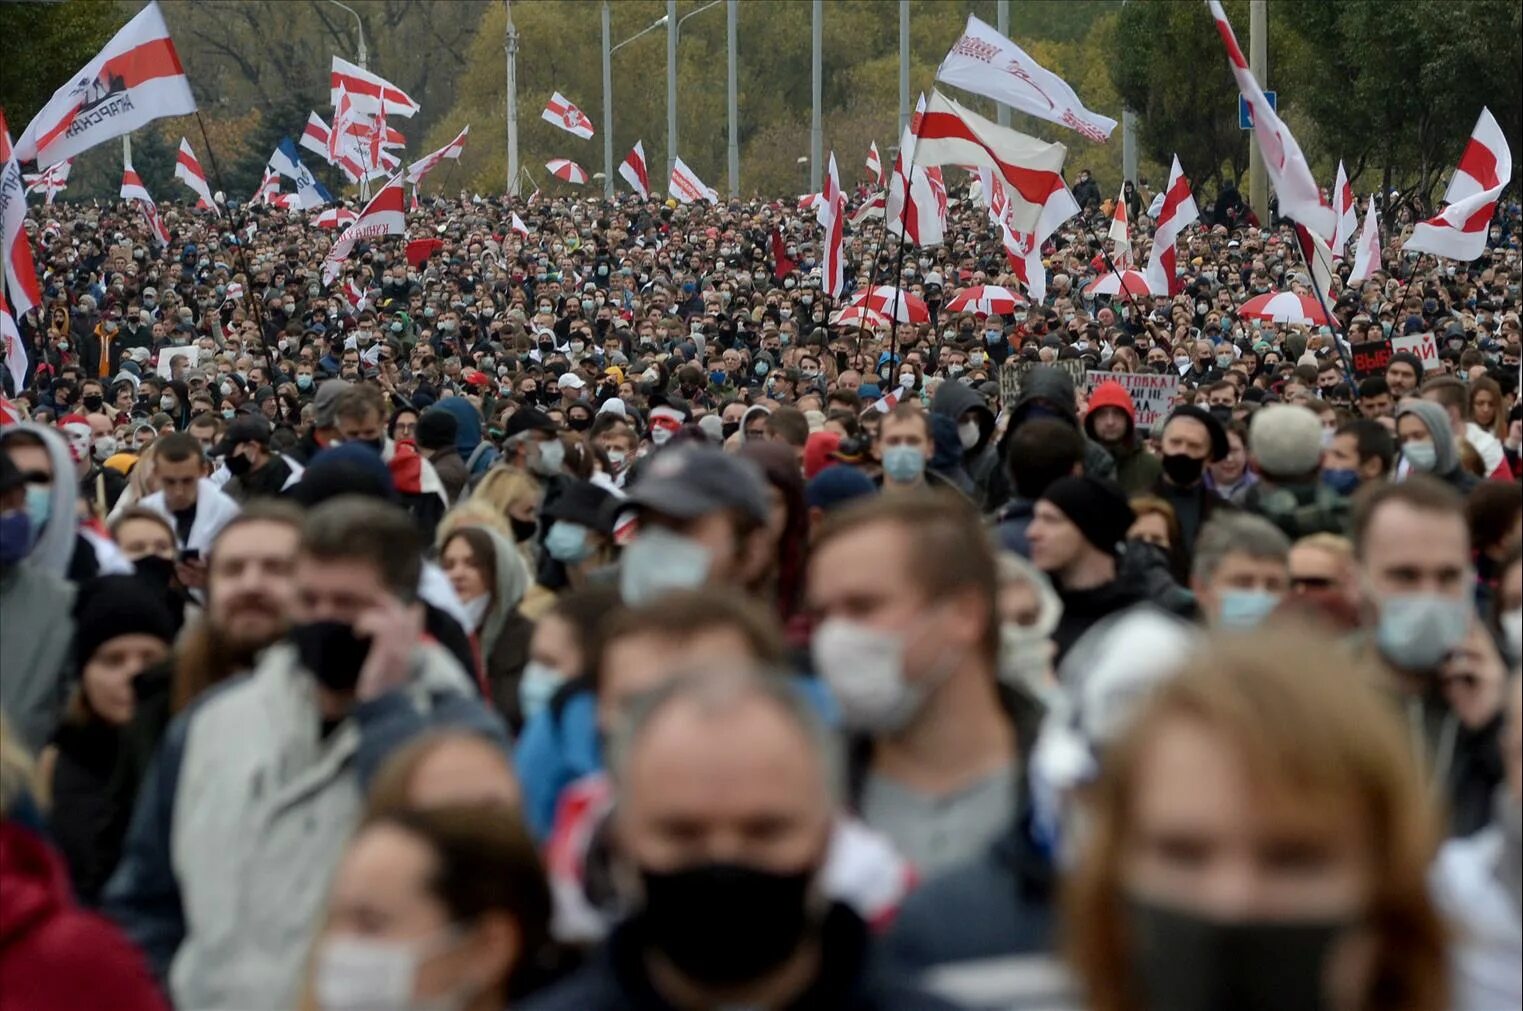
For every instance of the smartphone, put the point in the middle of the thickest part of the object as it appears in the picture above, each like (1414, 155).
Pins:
(190, 555)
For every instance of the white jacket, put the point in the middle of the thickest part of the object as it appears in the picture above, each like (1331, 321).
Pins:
(1488, 927)
(214, 508)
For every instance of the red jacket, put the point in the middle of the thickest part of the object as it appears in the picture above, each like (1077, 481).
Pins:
(54, 955)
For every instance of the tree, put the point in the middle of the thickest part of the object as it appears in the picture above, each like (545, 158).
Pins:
(47, 44)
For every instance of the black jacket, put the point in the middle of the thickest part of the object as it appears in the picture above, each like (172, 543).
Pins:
(1083, 609)
(1053, 388)
(88, 819)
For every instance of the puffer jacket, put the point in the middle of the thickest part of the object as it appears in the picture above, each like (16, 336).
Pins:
(1136, 468)
(245, 814)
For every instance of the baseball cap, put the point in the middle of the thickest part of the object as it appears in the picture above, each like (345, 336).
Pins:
(245, 428)
(570, 381)
(690, 481)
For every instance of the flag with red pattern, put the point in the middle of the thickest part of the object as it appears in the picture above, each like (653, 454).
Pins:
(634, 170)
(1178, 211)
(188, 171)
(562, 112)
(1459, 230)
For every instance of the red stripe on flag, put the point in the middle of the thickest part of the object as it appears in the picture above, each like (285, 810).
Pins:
(1230, 41)
(1034, 185)
(1480, 163)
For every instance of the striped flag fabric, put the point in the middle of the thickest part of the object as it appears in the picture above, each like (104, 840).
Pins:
(269, 187)
(875, 164)
(314, 136)
(134, 80)
(365, 91)
(831, 215)
(1346, 215)
(562, 112)
(634, 170)
(687, 188)
(565, 168)
(1367, 249)
(873, 208)
(15, 352)
(188, 171)
(1459, 230)
(1120, 234)
(15, 246)
(518, 226)
(423, 166)
(1178, 211)
(134, 190)
(343, 118)
(50, 182)
(386, 214)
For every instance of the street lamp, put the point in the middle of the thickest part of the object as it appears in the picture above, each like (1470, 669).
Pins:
(673, 29)
(608, 52)
(359, 28)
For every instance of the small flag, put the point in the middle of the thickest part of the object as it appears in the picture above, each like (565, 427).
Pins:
(15, 247)
(560, 111)
(1459, 230)
(384, 215)
(1120, 234)
(188, 170)
(518, 225)
(1347, 215)
(687, 188)
(875, 164)
(1178, 210)
(134, 190)
(831, 214)
(365, 90)
(287, 162)
(423, 166)
(634, 171)
(336, 217)
(1367, 249)
(50, 182)
(15, 350)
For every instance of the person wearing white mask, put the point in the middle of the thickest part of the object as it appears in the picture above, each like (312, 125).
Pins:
(907, 592)
(1428, 445)
(489, 576)
(438, 908)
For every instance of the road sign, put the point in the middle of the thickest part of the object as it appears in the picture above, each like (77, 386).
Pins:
(1245, 117)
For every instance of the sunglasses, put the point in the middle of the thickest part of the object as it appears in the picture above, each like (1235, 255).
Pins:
(1303, 583)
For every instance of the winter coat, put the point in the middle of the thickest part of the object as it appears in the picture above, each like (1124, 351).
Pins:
(87, 817)
(452, 472)
(1083, 609)
(246, 813)
(1052, 389)
(55, 956)
(1298, 509)
(953, 399)
(214, 508)
(1136, 469)
(35, 664)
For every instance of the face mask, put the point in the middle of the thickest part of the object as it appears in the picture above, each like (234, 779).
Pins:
(661, 560)
(1421, 456)
(1181, 361)
(1245, 609)
(166, 403)
(1186, 962)
(39, 506)
(617, 459)
(523, 530)
(567, 542)
(1342, 480)
(93, 402)
(303, 381)
(237, 464)
(368, 974)
(15, 537)
(105, 447)
(229, 412)
(865, 671)
(1417, 630)
(903, 464)
(331, 652)
(551, 456)
(1224, 361)
(1182, 469)
(538, 685)
(690, 917)
(968, 434)
(1025, 653)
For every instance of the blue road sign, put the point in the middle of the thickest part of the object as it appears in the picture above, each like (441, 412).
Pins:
(1245, 116)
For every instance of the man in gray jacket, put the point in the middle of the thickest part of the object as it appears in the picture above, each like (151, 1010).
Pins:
(258, 785)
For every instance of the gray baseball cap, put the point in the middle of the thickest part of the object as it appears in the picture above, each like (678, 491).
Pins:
(689, 481)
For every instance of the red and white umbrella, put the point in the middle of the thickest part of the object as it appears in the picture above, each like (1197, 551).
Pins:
(859, 316)
(895, 303)
(986, 300)
(1109, 283)
(565, 168)
(1284, 307)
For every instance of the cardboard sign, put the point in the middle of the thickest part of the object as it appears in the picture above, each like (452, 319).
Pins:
(1423, 345)
(1152, 394)
(1371, 358)
(167, 357)
(1013, 373)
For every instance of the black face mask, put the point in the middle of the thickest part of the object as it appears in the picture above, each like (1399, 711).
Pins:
(1182, 469)
(93, 402)
(237, 465)
(523, 530)
(331, 651)
(579, 424)
(690, 917)
(1186, 962)
(729, 428)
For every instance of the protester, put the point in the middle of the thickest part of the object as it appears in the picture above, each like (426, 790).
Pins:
(1240, 570)
(1191, 439)
(1428, 445)
(1111, 420)
(489, 578)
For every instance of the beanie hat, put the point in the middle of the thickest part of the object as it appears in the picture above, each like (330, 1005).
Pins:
(437, 429)
(1214, 429)
(117, 605)
(1285, 441)
(1098, 508)
(351, 468)
(1410, 359)
(837, 485)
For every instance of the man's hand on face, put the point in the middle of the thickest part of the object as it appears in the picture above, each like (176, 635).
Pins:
(394, 629)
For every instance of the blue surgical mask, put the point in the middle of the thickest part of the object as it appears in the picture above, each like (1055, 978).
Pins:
(1422, 456)
(39, 506)
(537, 686)
(567, 542)
(1342, 480)
(1418, 630)
(15, 537)
(1245, 609)
(660, 560)
(903, 464)
(303, 381)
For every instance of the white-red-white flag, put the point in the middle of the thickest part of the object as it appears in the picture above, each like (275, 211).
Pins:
(872, 208)
(986, 63)
(343, 119)
(314, 137)
(875, 164)
(1178, 211)
(134, 190)
(1120, 234)
(134, 80)
(451, 151)
(562, 112)
(269, 187)
(15, 247)
(1367, 249)
(518, 225)
(15, 351)
(1459, 230)
(1346, 215)
(386, 214)
(912, 212)
(1300, 196)
(336, 217)
(634, 170)
(831, 215)
(364, 90)
(687, 188)
(565, 168)
(50, 182)
(188, 171)
(355, 295)
(377, 132)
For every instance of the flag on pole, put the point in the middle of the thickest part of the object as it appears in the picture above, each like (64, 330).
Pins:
(1459, 230)
(565, 168)
(831, 214)
(269, 187)
(384, 215)
(355, 295)
(633, 169)
(1119, 233)
(135, 80)
(15, 351)
(377, 131)
(423, 166)
(1300, 196)
(310, 193)
(518, 225)
(336, 217)
(1367, 249)
(911, 208)
(1318, 256)
(15, 247)
(314, 137)
(365, 90)
(782, 263)
(1346, 215)
(50, 182)
(1178, 211)
(986, 63)
(687, 188)
(188, 171)
(343, 117)
(134, 190)
(875, 164)
(561, 112)
(873, 208)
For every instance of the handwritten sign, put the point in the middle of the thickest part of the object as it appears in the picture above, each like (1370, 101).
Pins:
(1014, 372)
(1371, 358)
(1152, 394)
(167, 357)
(1423, 345)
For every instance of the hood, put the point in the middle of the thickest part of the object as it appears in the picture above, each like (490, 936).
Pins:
(512, 578)
(1054, 387)
(947, 460)
(467, 421)
(53, 549)
(953, 399)
(33, 883)
(1436, 420)
(1111, 394)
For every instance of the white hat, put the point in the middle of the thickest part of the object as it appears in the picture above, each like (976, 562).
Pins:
(570, 381)
(614, 405)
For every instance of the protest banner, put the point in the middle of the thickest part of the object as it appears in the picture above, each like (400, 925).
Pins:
(1371, 358)
(1423, 345)
(1014, 372)
(1152, 394)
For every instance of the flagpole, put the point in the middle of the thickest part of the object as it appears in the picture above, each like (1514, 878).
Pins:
(1343, 355)
(904, 227)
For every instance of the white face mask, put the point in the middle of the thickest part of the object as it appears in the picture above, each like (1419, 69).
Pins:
(967, 434)
(536, 687)
(1025, 657)
(864, 668)
(1512, 633)
(368, 974)
(476, 610)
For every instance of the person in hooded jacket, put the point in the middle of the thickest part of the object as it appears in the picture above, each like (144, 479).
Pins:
(490, 578)
(1047, 392)
(1428, 445)
(1111, 420)
(975, 434)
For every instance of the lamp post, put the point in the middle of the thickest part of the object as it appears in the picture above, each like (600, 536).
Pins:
(608, 52)
(359, 28)
(673, 29)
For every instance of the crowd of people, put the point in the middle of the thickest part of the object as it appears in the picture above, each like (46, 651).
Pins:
(581, 619)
